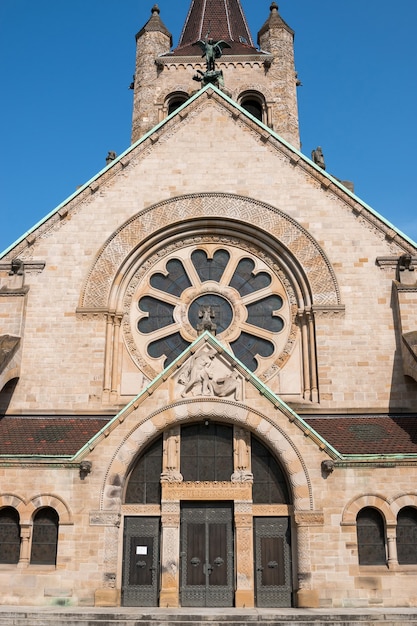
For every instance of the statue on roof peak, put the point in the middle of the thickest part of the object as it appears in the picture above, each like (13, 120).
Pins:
(212, 50)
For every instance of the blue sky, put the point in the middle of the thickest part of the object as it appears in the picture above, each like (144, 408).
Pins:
(66, 67)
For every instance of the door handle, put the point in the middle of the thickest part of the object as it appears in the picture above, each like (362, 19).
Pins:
(207, 568)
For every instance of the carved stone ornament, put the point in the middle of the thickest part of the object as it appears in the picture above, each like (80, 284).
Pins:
(209, 301)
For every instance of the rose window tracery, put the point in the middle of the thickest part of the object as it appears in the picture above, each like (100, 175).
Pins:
(223, 288)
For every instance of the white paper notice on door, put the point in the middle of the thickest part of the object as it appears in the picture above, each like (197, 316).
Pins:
(142, 550)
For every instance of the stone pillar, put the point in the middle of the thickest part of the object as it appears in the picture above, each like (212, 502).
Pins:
(170, 555)
(25, 534)
(245, 582)
(116, 351)
(307, 597)
(108, 356)
(392, 547)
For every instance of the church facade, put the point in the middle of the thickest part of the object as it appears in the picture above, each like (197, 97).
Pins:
(208, 357)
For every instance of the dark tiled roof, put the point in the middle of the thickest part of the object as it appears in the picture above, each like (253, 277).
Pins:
(47, 436)
(221, 20)
(368, 434)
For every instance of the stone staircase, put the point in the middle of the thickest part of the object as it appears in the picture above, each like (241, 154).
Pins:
(55, 616)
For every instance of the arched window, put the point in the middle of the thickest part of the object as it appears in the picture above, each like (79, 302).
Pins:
(253, 103)
(269, 483)
(371, 537)
(9, 536)
(144, 485)
(407, 536)
(175, 100)
(44, 537)
(207, 452)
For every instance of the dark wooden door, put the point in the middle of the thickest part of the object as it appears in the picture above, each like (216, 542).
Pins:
(207, 563)
(140, 586)
(273, 584)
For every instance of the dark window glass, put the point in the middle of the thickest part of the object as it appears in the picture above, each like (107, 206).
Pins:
(253, 107)
(174, 282)
(207, 452)
(407, 536)
(245, 282)
(160, 314)
(171, 347)
(175, 103)
(248, 346)
(9, 535)
(269, 482)
(221, 312)
(210, 269)
(371, 537)
(144, 483)
(45, 537)
(261, 313)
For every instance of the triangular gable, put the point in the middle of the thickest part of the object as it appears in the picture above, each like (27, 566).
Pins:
(267, 134)
(209, 342)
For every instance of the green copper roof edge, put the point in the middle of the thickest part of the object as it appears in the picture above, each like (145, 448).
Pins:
(312, 164)
(379, 456)
(165, 121)
(100, 173)
(258, 384)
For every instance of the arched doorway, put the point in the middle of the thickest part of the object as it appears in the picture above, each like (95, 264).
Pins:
(215, 521)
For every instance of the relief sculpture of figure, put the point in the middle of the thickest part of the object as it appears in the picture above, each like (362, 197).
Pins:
(197, 374)
(227, 386)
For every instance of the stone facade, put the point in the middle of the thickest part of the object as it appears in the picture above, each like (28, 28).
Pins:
(101, 312)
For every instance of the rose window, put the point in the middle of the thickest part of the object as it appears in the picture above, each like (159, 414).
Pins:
(226, 290)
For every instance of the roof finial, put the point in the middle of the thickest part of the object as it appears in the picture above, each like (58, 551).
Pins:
(155, 10)
(273, 7)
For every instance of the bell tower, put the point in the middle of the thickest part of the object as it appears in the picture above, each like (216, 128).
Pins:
(262, 80)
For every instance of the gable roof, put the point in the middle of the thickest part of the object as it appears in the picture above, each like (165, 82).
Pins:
(296, 157)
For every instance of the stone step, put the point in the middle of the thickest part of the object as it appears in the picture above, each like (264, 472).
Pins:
(138, 617)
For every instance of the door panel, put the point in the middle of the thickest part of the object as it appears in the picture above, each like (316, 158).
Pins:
(140, 586)
(273, 583)
(207, 564)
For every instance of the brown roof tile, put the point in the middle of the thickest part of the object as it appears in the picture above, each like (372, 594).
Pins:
(47, 436)
(221, 20)
(368, 434)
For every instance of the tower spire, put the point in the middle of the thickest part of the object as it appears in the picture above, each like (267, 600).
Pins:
(220, 19)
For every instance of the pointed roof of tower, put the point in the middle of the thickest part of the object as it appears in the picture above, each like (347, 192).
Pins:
(274, 21)
(154, 24)
(220, 19)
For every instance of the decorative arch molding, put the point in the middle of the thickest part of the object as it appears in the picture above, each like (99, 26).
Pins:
(139, 235)
(54, 502)
(402, 500)
(188, 411)
(11, 499)
(375, 501)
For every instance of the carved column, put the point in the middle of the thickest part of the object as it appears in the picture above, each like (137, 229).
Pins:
(245, 581)
(305, 351)
(307, 597)
(392, 547)
(171, 456)
(116, 350)
(170, 554)
(108, 355)
(25, 534)
(313, 364)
